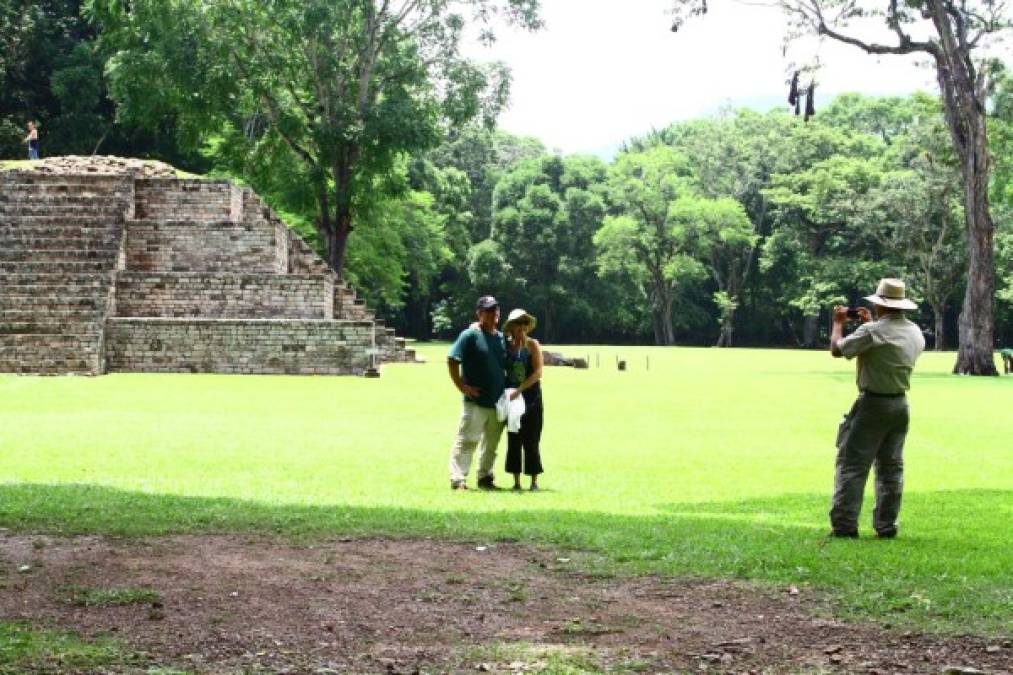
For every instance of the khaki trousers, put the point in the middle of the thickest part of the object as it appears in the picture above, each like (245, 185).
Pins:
(477, 424)
(873, 433)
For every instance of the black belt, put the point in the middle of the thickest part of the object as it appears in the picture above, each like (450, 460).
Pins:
(878, 395)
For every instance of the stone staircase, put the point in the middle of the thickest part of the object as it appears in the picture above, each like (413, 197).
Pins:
(60, 238)
(301, 258)
(105, 273)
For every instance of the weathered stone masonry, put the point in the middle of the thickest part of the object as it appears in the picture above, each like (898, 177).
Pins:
(105, 273)
(237, 346)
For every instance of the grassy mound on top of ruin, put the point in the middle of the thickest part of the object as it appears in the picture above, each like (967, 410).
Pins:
(715, 463)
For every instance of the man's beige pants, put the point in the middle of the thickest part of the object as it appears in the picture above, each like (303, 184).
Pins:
(477, 424)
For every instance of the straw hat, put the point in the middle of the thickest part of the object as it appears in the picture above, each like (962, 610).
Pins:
(518, 314)
(890, 293)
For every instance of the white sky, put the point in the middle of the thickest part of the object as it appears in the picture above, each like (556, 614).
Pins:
(602, 71)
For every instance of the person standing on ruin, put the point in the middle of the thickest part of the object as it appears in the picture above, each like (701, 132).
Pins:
(33, 141)
(873, 432)
(477, 362)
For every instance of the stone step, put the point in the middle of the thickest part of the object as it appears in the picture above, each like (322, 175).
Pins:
(106, 243)
(49, 362)
(67, 186)
(55, 267)
(237, 346)
(59, 219)
(27, 197)
(68, 225)
(40, 208)
(43, 326)
(88, 342)
(111, 234)
(56, 255)
(56, 300)
(46, 280)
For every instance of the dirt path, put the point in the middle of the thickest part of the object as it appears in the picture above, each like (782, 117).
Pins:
(232, 604)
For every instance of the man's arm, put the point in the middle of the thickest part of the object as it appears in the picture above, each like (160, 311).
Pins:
(838, 318)
(454, 366)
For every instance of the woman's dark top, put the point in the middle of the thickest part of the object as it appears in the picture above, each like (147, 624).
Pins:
(518, 369)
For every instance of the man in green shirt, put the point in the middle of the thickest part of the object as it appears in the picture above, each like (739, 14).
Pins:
(477, 363)
(875, 429)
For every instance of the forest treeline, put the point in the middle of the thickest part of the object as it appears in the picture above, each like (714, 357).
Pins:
(737, 229)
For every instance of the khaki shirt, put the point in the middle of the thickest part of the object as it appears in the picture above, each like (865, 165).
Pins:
(887, 350)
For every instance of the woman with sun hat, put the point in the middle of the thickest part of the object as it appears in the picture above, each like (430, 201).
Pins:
(523, 376)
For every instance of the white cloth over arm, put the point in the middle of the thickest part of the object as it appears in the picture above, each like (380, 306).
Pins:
(510, 411)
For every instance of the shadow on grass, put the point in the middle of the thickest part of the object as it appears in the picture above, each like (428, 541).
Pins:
(949, 571)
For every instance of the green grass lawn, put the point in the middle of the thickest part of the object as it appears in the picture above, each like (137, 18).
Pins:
(711, 462)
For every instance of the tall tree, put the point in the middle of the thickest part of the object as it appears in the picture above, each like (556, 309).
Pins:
(723, 239)
(645, 241)
(545, 213)
(959, 32)
(347, 85)
(916, 211)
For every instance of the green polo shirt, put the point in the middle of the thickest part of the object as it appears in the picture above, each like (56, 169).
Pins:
(483, 361)
(887, 350)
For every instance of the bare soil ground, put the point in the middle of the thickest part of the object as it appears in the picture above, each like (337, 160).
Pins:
(233, 604)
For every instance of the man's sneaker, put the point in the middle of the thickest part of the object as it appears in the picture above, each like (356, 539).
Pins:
(844, 534)
(486, 484)
(458, 485)
(887, 534)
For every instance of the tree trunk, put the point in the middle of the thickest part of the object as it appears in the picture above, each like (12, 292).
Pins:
(977, 315)
(659, 338)
(337, 244)
(725, 336)
(548, 321)
(940, 311)
(810, 329)
(963, 91)
(667, 332)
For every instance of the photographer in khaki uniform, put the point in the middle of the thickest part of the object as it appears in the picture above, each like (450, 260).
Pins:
(874, 430)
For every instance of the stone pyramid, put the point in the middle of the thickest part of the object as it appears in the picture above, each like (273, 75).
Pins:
(128, 272)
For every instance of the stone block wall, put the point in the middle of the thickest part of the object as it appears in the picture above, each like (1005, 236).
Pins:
(237, 346)
(223, 246)
(223, 295)
(118, 273)
(175, 199)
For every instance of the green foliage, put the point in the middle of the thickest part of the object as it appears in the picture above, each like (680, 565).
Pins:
(402, 252)
(545, 213)
(648, 243)
(346, 87)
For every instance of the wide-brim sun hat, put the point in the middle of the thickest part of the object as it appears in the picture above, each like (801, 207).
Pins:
(890, 293)
(516, 315)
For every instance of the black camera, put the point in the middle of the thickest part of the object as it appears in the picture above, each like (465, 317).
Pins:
(853, 313)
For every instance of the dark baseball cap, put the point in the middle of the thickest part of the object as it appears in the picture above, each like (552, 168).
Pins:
(486, 302)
